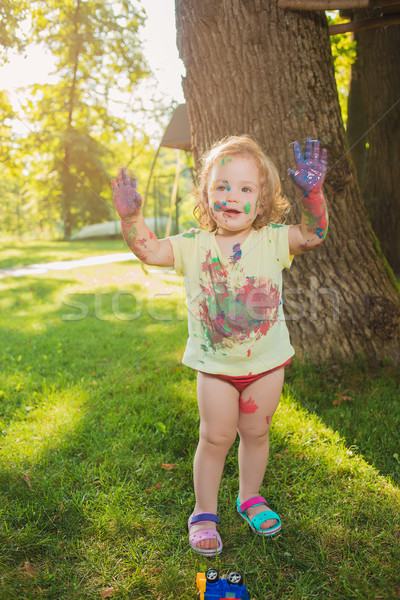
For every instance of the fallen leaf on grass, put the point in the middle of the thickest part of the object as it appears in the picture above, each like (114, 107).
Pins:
(342, 399)
(167, 466)
(155, 487)
(27, 479)
(29, 569)
(107, 592)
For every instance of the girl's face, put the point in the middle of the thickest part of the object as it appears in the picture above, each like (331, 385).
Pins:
(233, 190)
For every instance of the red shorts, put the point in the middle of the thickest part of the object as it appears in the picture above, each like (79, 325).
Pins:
(242, 381)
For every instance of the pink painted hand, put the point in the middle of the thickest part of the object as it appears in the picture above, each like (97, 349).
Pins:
(126, 199)
(310, 168)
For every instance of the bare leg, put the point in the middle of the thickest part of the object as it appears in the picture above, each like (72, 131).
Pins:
(258, 403)
(219, 411)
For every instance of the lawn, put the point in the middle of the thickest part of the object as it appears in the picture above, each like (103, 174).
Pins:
(98, 425)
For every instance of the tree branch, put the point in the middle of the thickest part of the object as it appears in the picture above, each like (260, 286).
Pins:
(324, 4)
(335, 4)
(364, 24)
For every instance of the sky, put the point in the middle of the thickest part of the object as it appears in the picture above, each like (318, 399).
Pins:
(159, 47)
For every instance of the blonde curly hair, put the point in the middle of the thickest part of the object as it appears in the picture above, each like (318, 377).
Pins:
(273, 206)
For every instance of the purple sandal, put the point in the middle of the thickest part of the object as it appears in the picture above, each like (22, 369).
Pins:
(204, 534)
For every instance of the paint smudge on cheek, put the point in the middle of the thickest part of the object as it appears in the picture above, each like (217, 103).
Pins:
(268, 420)
(247, 208)
(248, 407)
(218, 206)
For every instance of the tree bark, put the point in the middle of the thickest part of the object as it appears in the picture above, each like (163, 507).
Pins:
(380, 84)
(357, 124)
(254, 68)
(67, 188)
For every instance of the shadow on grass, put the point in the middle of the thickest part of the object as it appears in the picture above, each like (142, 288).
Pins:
(360, 402)
(97, 487)
(18, 253)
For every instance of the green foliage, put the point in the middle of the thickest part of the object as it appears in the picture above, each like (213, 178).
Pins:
(161, 187)
(7, 114)
(95, 45)
(12, 15)
(344, 54)
(76, 135)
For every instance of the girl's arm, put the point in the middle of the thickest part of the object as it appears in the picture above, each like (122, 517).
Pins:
(309, 177)
(143, 242)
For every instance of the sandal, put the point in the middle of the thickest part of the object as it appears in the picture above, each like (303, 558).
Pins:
(255, 522)
(204, 534)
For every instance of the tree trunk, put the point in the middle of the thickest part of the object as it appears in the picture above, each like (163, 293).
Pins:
(67, 178)
(357, 124)
(380, 82)
(254, 68)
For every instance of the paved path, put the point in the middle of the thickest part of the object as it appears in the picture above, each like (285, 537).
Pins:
(66, 265)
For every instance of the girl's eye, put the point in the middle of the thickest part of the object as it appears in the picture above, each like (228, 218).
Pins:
(246, 189)
(220, 188)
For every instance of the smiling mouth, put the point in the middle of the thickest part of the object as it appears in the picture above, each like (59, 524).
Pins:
(232, 211)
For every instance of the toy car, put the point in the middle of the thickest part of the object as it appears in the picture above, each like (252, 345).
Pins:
(211, 587)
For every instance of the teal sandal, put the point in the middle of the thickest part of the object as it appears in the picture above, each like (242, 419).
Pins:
(256, 522)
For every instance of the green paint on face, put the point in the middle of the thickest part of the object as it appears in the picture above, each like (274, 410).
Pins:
(247, 208)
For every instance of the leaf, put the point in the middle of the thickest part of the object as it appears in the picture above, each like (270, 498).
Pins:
(27, 479)
(30, 569)
(155, 487)
(341, 399)
(107, 592)
(161, 427)
(168, 467)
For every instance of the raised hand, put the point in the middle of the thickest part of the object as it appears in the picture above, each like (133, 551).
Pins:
(310, 168)
(126, 199)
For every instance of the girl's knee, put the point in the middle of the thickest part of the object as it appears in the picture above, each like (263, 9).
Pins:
(217, 439)
(255, 433)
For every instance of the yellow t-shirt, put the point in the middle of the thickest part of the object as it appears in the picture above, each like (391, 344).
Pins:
(235, 315)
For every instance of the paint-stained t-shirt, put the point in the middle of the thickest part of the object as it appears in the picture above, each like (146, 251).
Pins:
(235, 314)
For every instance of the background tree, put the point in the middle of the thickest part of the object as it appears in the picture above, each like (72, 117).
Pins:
(12, 15)
(96, 49)
(276, 82)
(374, 130)
(344, 54)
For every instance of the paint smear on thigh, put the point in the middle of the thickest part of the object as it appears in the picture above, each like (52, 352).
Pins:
(248, 406)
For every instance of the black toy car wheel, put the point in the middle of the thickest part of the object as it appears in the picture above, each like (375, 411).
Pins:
(235, 578)
(212, 576)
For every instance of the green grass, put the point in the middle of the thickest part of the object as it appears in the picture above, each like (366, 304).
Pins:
(20, 253)
(94, 400)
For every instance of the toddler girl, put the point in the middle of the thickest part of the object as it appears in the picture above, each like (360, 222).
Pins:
(238, 340)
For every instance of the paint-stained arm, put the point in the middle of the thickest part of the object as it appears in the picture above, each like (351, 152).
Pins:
(309, 177)
(143, 242)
